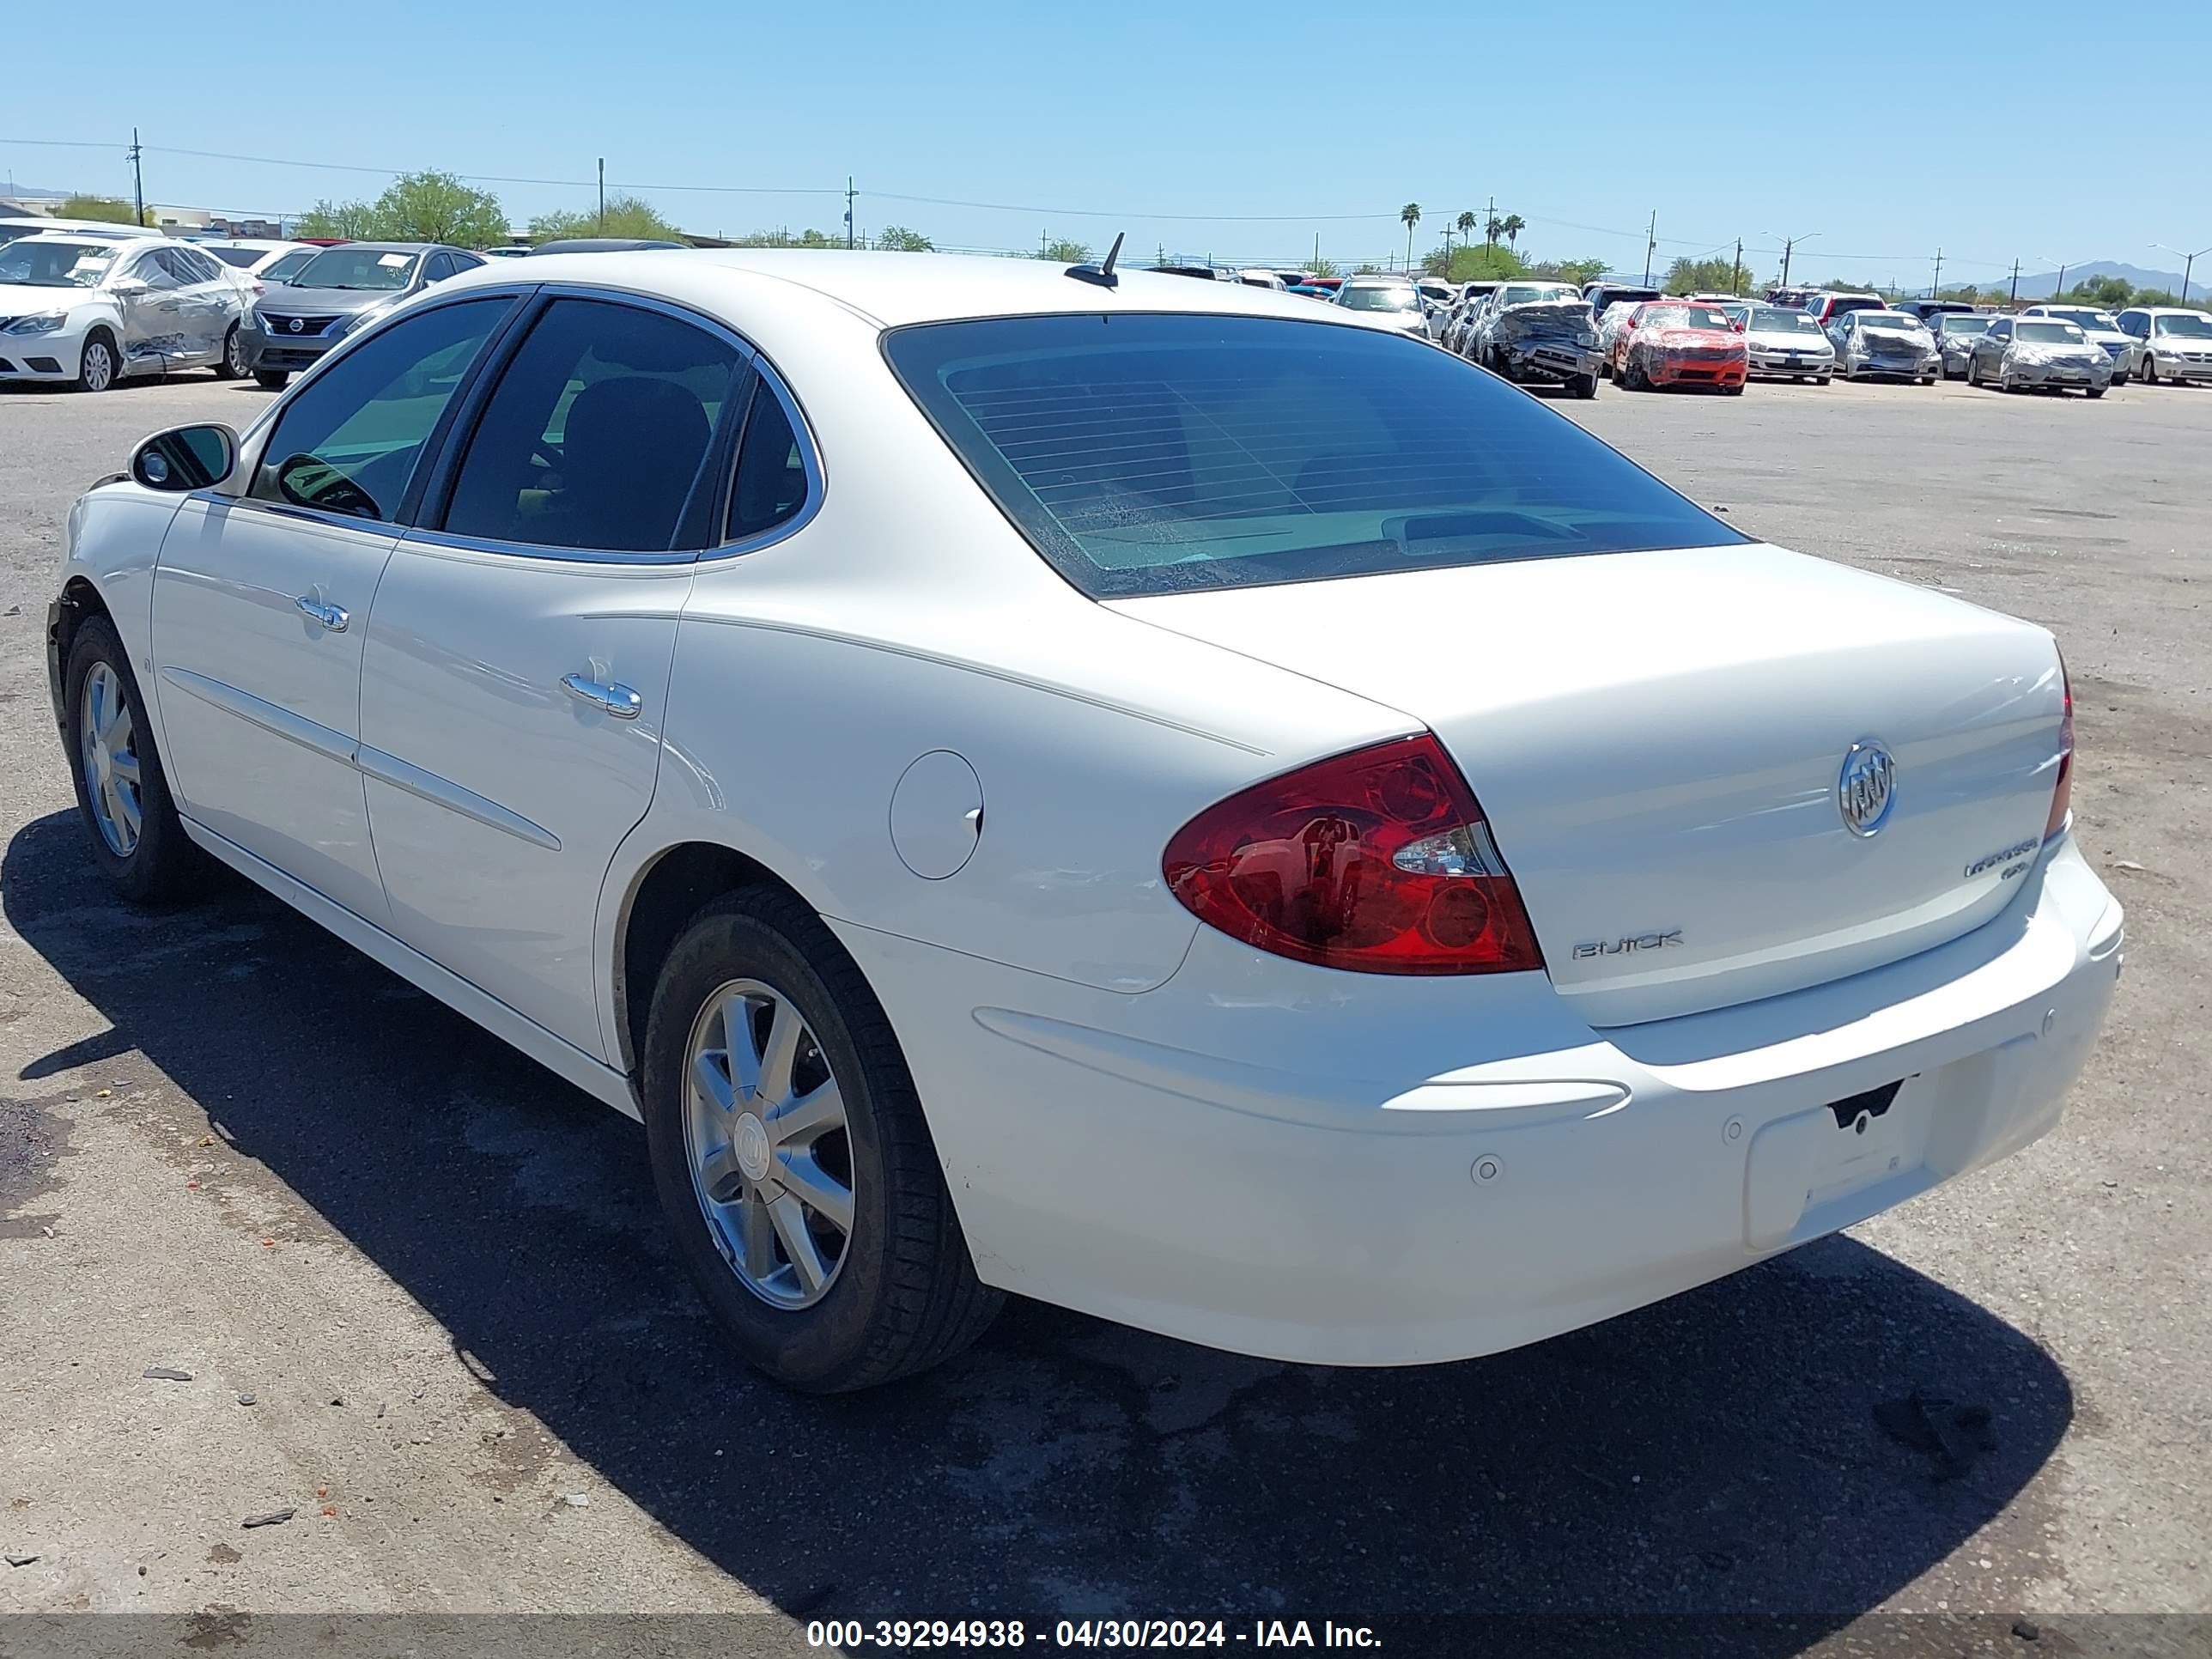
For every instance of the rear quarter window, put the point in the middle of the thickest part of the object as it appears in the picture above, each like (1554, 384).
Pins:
(1145, 454)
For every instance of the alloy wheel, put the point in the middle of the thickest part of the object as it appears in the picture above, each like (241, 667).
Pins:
(99, 369)
(109, 741)
(767, 1145)
(233, 354)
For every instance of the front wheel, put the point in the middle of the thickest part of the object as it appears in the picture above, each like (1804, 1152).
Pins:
(792, 1158)
(2094, 393)
(1820, 379)
(232, 364)
(121, 792)
(96, 365)
(1583, 386)
(270, 379)
(1735, 391)
(2149, 370)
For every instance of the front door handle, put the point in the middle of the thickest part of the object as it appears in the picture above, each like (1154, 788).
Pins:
(332, 616)
(614, 698)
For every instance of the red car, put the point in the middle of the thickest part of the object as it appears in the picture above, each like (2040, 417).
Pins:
(1679, 343)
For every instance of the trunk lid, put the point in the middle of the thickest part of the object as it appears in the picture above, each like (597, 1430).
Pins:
(1659, 742)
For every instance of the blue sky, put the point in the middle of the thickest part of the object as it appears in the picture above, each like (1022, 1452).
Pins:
(1241, 132)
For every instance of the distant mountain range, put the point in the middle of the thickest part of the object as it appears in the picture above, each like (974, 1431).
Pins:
(2044, 286)
(10, 188)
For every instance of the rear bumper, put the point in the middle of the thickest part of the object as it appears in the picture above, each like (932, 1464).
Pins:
(1314, 1166)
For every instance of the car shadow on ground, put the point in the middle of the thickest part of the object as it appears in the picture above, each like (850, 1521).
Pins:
(1724, 1450)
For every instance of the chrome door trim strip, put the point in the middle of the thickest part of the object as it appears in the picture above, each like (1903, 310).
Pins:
(443, 792)
(279, 722)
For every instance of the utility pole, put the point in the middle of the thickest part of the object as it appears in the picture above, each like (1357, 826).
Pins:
(1651, 245)
(602, 195)
(1937, 287)
(1488, 220)
(849, 194)
(137, 181)
(2015, 300)
(1316, 252)
(1736, 270)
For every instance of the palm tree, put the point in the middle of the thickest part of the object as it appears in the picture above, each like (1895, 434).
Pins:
(1493, 230)
(1410, 213)
(1513, 225)
(1466, 223)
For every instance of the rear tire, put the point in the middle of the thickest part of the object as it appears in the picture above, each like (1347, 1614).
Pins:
(270, 379)
(98, 366)
(902, 1294)
(232, 364)
(121, 792)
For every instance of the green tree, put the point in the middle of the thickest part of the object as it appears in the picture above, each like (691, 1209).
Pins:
(626, 215)
(1466, 223)
(1510, 227)
(1706, 276)
(899, 240)
(415, 207)
(1065, 252)
(108, 209)
(1410, 215)
(2106, 293)
(1472, 262)
(1577, 271)
(1323, 268)
(1492, 228)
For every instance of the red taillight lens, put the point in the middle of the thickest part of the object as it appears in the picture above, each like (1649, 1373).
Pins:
(2061, 797)
(1376, 861)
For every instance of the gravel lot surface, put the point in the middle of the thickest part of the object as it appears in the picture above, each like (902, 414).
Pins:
(231, 1146)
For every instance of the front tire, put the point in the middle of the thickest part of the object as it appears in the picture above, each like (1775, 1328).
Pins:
(270, 379)
(1583, 386)
(97, 364)
(2149, 370)
(792, 1158)
(2093, 393)
(122, 791)
(231, 365)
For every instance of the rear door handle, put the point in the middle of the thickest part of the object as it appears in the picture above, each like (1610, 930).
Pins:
(614, 698)
(332, 616)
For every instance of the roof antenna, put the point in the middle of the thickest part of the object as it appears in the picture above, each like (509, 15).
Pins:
(1103, 274)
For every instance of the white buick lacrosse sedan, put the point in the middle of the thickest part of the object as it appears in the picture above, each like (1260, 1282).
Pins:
(1148, 795)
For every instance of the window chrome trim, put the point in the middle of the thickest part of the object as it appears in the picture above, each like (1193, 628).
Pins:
(418, 536)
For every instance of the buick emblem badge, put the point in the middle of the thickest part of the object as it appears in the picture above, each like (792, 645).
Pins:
(1866, 788)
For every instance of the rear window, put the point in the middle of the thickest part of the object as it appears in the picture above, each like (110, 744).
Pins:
(238, 256)
(1156, 454)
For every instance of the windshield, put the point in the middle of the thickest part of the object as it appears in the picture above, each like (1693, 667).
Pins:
(54, 265)
(1962, 324)
(2193, 328)
(1897, 325)
(1392, 298)
(1144, 454)
(2085, 318)
(357, 267)
(1684, 317)
(2037, 331)
(285, 270)
(1773, 319)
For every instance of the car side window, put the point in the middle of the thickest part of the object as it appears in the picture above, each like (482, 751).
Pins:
(190, 264)
(597, 432)
(154, 269)
(771, 479)
(2001, 329)
(442, 265)
(349, 439)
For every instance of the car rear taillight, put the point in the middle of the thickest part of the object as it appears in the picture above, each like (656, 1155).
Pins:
(1378, 862)
(2061, 797)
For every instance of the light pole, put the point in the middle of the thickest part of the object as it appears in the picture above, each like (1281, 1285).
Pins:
(2188, 263)
(2062, 263)
(1788, 245)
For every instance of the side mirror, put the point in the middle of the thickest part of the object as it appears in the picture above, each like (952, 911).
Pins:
(129, 285)
(186, 458)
